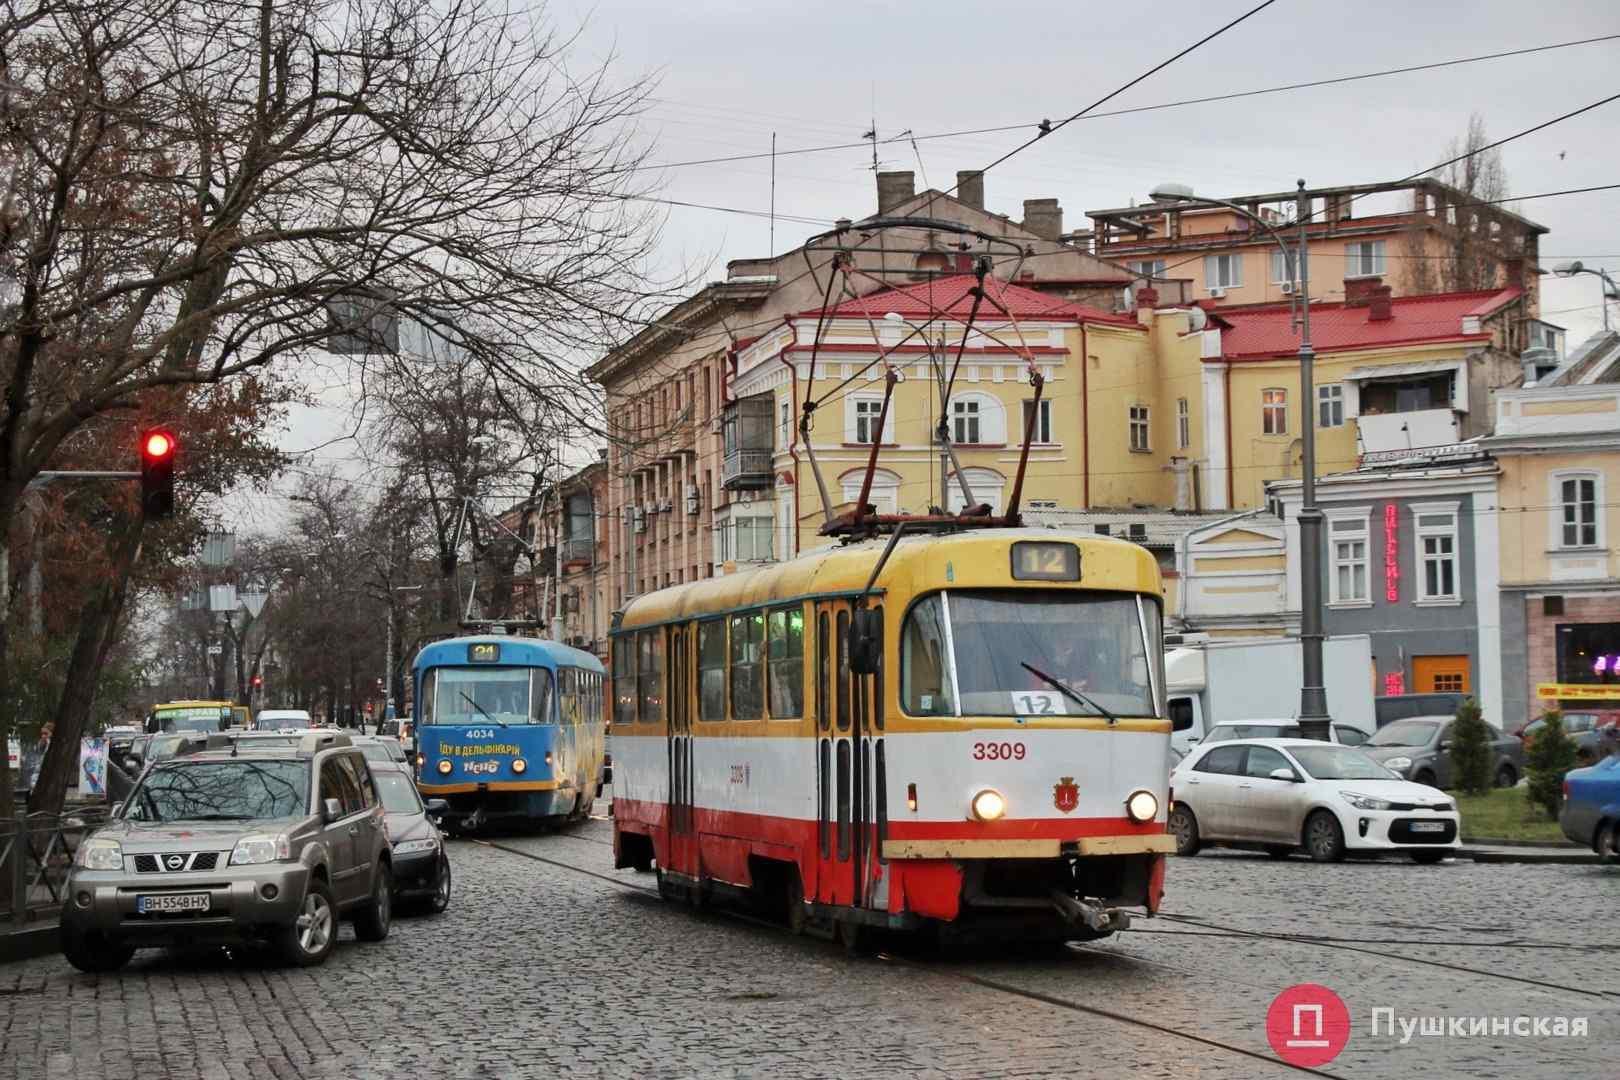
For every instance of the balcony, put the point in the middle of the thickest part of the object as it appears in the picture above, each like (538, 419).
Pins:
(578, 552)
(1434, 432)
(747, 426)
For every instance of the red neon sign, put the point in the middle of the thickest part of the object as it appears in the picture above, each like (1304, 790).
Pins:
(1392, 569)
(1394, 682)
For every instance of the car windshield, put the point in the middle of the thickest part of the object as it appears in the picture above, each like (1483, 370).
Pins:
(238, 790)
(1405, 733)
(397, 791)
(379, 752)
(288, 723)
(970, 654)
(1339, 763)
(488, 695)
(1223, 732)
(163, 747)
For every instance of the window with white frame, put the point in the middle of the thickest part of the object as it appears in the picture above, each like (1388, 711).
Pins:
(986, 485)
(885, 491)
(1364, 259)
(1330, 405)
(1283, 272)
(751, 540)
(787, 424)
(1183, 424)
(1038, 418)
(965, 421)
(1223, 271)
(1436, 553)
(1139, 428)
(863, 420)
(1347, 573)
(1150, 269)
(1274, 411)
(1578, 496)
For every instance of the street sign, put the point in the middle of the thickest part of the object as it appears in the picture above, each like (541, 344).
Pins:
(215, 650)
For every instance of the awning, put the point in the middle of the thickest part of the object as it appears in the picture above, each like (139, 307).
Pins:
(1415, 367)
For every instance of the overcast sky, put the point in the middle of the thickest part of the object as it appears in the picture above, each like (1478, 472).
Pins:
(730, 73)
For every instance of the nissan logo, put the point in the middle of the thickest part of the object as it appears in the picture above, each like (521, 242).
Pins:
(176, 861)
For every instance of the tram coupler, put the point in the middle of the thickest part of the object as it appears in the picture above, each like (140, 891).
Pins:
(1099, 920)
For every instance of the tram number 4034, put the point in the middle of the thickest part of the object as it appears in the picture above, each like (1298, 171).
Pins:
(998, 751)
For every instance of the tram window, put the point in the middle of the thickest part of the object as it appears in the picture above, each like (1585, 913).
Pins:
(540, 711)
(747, 674)
(624, 680)
(824, 782)
(843, 671)
(786, 652)
(650, 675)
(925, 663)
(843, 799)
(712, 670)
(429, 682)
(821, 670)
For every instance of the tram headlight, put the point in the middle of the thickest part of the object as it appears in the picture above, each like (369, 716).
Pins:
(1142, 806)
(421, 760)
(445, 766)
(519, 765)
(988, 805)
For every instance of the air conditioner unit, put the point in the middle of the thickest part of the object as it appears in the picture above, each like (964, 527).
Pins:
(663, 506)
(1287, 288)
(641, 520)
(1217, 293)
(691, 500)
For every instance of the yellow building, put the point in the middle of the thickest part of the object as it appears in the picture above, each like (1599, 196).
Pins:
(1559, 452)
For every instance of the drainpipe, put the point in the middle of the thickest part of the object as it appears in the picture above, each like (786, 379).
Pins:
(1085, 424)
(1231, 465)
(793, 447)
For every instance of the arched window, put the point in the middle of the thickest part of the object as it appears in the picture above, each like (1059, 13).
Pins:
(986, 485)
(977, 419)
(885, 493)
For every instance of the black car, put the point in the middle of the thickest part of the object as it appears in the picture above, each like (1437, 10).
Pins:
(1394, 707)
(421, 867)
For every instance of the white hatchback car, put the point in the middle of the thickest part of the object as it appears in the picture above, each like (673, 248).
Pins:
(1280, 795)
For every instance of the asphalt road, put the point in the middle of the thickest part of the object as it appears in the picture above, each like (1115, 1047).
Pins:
(549, 963)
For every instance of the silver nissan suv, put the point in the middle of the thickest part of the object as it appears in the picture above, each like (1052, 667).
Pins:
(227, 843)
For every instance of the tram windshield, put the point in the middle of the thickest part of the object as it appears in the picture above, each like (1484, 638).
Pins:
(970, 654)
(487, 695)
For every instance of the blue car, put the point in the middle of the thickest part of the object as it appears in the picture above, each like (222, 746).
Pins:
(1591, 813)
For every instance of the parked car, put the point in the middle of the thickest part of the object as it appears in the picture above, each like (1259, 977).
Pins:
(232, 843)
(284, 720)
(1591, 812)
(1279, 729)
(1420, 750)
(1585, 728)
(421, 865)
(401, 729)
(1410, 706)
(1280, 795)
(379, 749)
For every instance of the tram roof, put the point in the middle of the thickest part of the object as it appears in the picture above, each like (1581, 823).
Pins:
(978, 558)
(514, 649)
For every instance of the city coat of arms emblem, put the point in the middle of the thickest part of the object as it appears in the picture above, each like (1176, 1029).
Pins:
(1066, 795)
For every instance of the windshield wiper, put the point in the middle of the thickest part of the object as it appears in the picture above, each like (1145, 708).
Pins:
(480, 708)
(1068, 692)
(219, 817)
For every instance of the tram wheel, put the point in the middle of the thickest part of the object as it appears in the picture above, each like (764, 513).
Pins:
(857, 938)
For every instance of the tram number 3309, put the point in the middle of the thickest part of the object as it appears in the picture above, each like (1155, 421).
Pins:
(998, 751)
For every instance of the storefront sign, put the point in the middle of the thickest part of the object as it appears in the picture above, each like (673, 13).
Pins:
(1550, 691)
(1392, 568)
(1394, 683)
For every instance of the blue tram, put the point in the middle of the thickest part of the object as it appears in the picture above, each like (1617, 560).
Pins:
(508, 729)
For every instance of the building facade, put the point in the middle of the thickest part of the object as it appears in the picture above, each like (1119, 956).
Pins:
(1559, 449)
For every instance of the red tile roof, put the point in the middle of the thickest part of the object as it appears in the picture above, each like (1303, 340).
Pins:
(1267, 331)
(949, 297)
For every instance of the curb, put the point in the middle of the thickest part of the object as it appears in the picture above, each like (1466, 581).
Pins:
(1573, 857)
(31, 942)
(1544, 845)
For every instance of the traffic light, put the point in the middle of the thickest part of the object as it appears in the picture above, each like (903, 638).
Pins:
(258, 682)
(157, 472)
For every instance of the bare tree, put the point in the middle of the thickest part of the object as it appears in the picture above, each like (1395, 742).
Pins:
(1480, 178)
(195, 189)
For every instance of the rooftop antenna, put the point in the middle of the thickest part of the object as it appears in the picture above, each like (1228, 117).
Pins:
(872, 132)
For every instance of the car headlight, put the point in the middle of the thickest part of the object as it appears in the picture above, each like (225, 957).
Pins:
(988, 805)
(260, 848)
(445, 766)
(96, 854)
(1398, 763)
(519, 765)
(1142, 806)
(1365, 802)
(409, 847)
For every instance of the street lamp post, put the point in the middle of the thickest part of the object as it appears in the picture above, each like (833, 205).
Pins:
(388, 655)
(1314, 721)
(1610, 292)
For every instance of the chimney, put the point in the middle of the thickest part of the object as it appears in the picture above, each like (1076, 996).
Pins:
(970, 188)
(1044, 218)
(1358, 291)
(895, 188)
(1380, 308)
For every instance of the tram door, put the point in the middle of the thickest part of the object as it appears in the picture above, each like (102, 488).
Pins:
(682, 835)
(848, 757)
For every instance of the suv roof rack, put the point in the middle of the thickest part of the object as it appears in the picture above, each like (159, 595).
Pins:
(323, 740)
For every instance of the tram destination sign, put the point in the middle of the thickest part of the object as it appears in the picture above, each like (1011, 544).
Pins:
(483, 652)
(1043, 560)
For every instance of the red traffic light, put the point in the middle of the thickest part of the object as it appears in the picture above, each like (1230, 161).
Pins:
(258, 681)
(158, 444)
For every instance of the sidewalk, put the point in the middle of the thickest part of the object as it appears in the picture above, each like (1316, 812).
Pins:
(1529, 853)
(36, 938)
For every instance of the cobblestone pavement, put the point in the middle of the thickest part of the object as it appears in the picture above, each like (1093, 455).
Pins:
(558, 968)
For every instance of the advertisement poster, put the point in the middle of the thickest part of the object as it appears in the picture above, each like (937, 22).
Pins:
(93, 766)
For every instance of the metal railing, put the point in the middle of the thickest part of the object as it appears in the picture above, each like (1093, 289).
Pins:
(578, 550)
(36, 852)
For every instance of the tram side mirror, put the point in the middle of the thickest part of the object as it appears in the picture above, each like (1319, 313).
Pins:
(866, 642)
